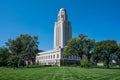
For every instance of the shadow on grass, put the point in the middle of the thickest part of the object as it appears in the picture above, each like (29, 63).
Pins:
(92, 67)
(104, 67)
(40, 66)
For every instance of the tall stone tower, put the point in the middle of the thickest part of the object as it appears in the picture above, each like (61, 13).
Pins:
(62, 30)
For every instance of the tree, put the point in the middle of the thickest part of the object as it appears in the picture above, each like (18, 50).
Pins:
(14, 61)
(118, 54)
(4, 56)
(96, 55)
(104, 50)
(88, 48)
(24, 47)
(79, 46)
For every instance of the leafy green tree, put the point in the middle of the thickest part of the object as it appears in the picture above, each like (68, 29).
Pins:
(14, 61)
(4, 56)
(24, 47)
(96, 55)
(118, 55)
(71, 48)
(80, 46)
(104, 50)
(88, 48)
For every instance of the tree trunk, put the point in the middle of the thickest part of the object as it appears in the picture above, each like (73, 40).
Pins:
(88, 56)
(107, 64)
(80, 57)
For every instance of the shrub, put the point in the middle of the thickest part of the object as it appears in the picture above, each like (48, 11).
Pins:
(84, 62)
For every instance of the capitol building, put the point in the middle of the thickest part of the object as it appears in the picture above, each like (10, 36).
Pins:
(62, 33)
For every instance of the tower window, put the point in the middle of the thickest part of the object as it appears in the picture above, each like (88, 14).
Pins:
(62, 17)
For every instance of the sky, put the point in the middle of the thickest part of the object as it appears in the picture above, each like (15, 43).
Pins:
(99, 19)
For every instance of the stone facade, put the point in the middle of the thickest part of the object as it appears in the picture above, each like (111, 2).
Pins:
(51, 57)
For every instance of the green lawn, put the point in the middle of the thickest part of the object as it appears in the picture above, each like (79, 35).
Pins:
(59, 73)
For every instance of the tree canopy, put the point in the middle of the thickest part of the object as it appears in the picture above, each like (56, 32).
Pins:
(80, 45)
(24, 47)
(104, 50)
(4, 56)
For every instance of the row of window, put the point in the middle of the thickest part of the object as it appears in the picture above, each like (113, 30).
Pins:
(73, 57)
(49, 57)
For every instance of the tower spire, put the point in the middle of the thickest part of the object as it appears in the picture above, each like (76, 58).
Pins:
(62, 16)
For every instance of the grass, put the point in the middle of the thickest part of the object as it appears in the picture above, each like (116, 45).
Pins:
(59, 73)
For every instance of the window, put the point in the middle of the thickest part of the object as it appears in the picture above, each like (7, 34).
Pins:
(62, 17)
(53, 56)
(57, 55)
(70, 57)
(74, 57)
(49, 56)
